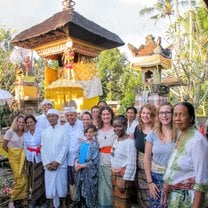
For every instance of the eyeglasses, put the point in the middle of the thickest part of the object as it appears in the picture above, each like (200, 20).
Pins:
(165, 113)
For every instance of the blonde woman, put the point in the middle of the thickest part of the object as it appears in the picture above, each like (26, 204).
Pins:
(13, 144)
(158, 148)
(146, 120)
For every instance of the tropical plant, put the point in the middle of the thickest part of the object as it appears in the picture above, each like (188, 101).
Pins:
(7, 69)
(119, 81)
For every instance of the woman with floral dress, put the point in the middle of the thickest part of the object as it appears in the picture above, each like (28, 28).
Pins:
(186, 176)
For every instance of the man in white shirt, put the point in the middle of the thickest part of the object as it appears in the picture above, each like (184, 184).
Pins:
(76, 134)
(42, 121)
(54, 150)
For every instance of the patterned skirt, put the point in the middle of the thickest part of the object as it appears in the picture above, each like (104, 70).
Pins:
(143, 190)
(36, 179)
(158, 181)
(121, 199)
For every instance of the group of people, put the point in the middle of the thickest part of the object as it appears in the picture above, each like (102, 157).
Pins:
(100, 160)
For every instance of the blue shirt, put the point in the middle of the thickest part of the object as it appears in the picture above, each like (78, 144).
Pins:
(160, 151)
(83, 152)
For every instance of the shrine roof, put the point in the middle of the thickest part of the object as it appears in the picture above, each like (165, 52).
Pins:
(66, 24)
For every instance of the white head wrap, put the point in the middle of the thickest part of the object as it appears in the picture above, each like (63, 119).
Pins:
(44, 102)
(70, 109)
(53, 111)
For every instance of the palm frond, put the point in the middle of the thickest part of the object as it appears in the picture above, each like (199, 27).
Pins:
(146, 10)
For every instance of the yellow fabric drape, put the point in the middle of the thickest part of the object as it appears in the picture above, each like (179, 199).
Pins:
(17, 161)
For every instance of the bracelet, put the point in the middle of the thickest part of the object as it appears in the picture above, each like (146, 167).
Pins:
(150, 182)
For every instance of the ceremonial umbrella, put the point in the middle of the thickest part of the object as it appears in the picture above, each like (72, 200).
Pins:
(5, 97)
(63, 90)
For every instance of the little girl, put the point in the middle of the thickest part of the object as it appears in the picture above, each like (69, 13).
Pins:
(86, 166)
(123, 164)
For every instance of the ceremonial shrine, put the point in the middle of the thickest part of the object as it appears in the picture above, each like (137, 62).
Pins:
(69, 42)
(152, 59)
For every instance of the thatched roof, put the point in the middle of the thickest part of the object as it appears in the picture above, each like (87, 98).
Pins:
(64, 24)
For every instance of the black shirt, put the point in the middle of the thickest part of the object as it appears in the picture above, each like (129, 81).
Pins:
(139, 140)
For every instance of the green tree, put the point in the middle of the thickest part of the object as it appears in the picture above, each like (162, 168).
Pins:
(192, 63)
(160, 10)
(38, 68)
(7, 69)
(111, 64)
(189, 37)
(119, 80)
(131, 85)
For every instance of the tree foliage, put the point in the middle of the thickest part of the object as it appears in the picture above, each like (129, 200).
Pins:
(188, 35)
(191, 61)
(118, 79)
(7, 69)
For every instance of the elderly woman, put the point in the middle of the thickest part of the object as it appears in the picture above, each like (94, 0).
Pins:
(13, 144)
(32, 139)
(185, 178)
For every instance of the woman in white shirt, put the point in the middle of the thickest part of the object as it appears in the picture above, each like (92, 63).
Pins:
(131, 113)
(123, 164)
(32, 140)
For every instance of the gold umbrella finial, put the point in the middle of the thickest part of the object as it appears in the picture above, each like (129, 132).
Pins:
(68, 4)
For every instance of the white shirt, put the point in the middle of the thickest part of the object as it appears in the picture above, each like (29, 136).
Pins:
(76, 136)
(54, 145)
(123, 154)
(32, 143)
(42, 122)
(189, 161)
(105, 139)
(131, 128)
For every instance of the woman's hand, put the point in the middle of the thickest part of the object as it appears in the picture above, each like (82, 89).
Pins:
(77, 166)
(154, 191)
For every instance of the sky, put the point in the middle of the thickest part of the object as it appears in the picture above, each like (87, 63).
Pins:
(119, 16)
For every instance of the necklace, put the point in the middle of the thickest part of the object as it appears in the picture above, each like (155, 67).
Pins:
(106, 133)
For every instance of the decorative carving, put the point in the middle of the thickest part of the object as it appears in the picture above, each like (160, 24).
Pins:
(151, 47)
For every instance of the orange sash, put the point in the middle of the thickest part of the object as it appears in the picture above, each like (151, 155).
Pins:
(106, 149)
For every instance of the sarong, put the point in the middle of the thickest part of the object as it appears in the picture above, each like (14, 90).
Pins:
(105, 193)
(121, 199)
(157, 172)
(143, 190)
(36, 179)
(179, 195)
(17, 163)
